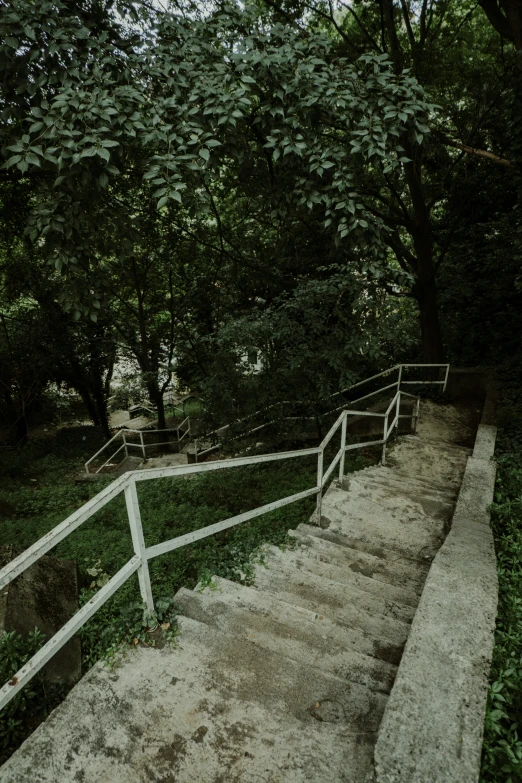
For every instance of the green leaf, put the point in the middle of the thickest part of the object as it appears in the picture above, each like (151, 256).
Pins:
(204, 153)
(11, 161)
(161, 203)
(32, 158)
(102, 152)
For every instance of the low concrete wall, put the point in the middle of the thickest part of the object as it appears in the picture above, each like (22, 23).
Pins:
(433, 723)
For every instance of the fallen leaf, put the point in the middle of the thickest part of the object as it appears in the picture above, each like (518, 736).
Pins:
(14, 681)
(165, 626)
(135, 640)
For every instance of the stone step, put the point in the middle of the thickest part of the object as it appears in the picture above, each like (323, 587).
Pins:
(211, 709)
(406, 576)
(386, 491)
(344, 604)
(382, 473)
(382, 596)
(291, 631)
(439, 443)
(445, 422)
(389, 554)
(383, 519)
(424, 460)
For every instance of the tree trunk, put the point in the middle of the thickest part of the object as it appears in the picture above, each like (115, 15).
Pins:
(432, 348)
(157, 398)
(100, 402)
(21, 430)
(425, 289)
(89, 404)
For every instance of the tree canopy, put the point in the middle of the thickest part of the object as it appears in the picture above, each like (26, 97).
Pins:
(300, 178)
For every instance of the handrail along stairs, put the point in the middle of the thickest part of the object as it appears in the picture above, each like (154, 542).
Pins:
(142, 554)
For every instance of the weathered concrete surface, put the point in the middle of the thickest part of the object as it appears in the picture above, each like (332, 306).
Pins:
(282, 682)
(45, 596)
(215, 710)
(433, 724)
(165, 461)
(128, 463)
(297, 633)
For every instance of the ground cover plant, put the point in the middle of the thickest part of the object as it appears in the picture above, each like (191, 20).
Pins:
(41, 490)
(502, 752)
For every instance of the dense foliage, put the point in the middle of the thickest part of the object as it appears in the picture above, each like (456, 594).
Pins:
(331, 186)
(502, 756)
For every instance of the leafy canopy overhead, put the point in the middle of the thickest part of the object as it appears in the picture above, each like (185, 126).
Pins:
(93, 105)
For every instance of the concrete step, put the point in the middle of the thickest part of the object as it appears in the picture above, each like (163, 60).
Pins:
(288, 630)
(405, 576)
(382, 596)
(127, 463)
(425, 460)
(389, 553)
(439, 443)
(344, 604)
(385, 492)
(211, 709)
(446, 490)
(445, 422)
(383, 519)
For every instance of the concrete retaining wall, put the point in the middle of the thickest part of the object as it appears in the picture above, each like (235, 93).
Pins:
(433, 723)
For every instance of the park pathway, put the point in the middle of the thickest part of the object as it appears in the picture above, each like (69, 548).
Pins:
(285, 681)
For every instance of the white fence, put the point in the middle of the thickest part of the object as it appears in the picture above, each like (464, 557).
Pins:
(124, 436)
(142, 554)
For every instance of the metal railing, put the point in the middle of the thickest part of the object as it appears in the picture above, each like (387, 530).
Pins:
(139, 563)
(218, 434)
(126, 443)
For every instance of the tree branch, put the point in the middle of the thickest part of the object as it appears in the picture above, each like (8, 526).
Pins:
(361, 26)
(479, 153)
(497, 18)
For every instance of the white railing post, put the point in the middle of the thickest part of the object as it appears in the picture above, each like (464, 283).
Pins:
(138, 542)
(446, 378)
(343, 446)
(397, 411)
(320, 459)
(417, 409)
(142, 445)
(384, 436)
(399, 378)
(125, 444)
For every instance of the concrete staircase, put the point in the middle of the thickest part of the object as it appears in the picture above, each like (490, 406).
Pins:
(286, 681)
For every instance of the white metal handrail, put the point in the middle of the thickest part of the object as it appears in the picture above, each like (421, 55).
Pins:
(142, 554)
(124, 431)
(396, 384)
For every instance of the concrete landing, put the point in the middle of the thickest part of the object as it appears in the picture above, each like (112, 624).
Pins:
(285, 681)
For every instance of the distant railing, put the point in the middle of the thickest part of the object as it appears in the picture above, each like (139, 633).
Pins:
(126, 484)
(219, 433)
(126, 443)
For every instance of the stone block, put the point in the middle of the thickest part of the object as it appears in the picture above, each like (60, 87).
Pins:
(45, 596)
